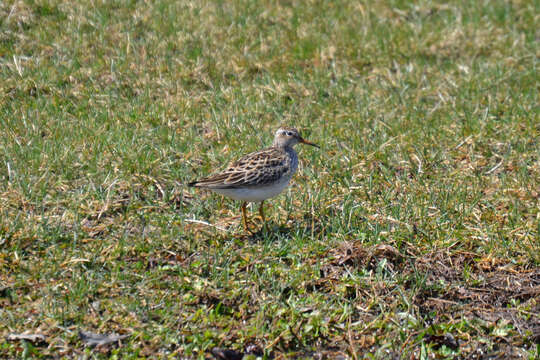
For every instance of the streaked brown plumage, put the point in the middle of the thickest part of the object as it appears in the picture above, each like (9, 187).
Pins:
(258, 168)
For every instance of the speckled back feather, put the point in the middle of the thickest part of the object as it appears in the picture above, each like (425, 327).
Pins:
(258, 168)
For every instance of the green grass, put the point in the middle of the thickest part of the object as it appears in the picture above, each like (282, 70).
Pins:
(412, 233)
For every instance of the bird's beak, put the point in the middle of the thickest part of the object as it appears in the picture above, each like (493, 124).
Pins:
(307, 142)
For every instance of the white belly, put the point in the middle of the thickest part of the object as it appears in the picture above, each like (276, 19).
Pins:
(254, 194)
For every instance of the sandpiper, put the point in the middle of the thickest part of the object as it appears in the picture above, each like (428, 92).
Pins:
(260, 175)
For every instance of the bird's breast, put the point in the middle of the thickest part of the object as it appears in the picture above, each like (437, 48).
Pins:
(293, 161)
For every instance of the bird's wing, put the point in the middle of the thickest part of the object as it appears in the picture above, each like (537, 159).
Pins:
(258, 168)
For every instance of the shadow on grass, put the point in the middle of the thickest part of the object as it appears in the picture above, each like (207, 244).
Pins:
(269, 233)
(273, 231)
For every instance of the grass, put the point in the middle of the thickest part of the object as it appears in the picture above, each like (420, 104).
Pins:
(413, 233)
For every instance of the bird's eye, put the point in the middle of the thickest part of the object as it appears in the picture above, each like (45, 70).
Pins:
(289, 133)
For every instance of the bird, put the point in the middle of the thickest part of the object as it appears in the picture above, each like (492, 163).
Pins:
(259, 175)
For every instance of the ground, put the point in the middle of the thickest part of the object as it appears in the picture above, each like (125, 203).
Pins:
(413, 233)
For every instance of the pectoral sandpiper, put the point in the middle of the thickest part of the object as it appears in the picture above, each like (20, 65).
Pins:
(260, 175)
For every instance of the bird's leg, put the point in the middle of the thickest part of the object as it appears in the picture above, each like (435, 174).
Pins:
(244, 218)
(261, 213)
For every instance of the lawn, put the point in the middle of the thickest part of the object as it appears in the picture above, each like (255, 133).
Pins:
(412, 233)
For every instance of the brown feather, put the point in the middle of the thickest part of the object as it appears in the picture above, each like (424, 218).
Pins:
(250, 170)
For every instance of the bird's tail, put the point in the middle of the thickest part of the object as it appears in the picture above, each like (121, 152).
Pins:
(192, 184)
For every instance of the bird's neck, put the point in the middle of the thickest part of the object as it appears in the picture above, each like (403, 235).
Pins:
(286, 148)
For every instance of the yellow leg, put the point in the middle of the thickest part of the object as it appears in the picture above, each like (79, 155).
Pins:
(261, 212)
(244, 218)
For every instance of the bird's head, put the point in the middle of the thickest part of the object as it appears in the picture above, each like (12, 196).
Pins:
(288, 137)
